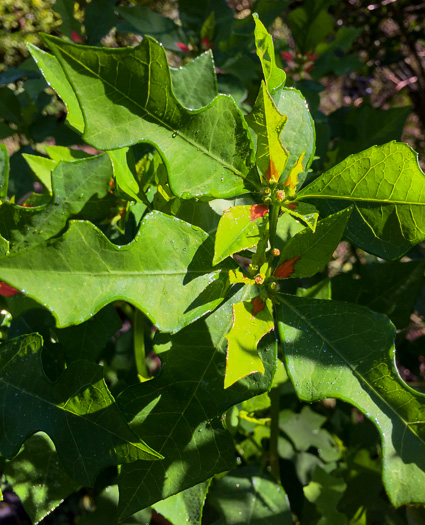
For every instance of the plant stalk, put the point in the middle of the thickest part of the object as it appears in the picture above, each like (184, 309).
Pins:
(139, 346)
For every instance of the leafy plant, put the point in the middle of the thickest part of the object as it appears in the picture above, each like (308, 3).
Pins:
(211, 235)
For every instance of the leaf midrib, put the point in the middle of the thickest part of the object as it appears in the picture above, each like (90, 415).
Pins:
(153, 116)
(360, 377)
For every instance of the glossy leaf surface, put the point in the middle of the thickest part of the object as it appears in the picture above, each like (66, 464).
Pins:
(184, 404)
(240, 227)
(207, 152)
(387, 189)
(346, 351)
(77, 412)
(167, 254)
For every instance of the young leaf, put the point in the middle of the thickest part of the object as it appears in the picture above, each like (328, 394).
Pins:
(207, 152)
(268, 123)
(346, 351)
(37, 478)
(249, 326)
(274, 76)
(247, 495)
(74, 185)
(386, 187)
(56, 78)
(77, 412)
(167, 255)
(307, 251)
(195, 84)
(181, 409)
(240, 227)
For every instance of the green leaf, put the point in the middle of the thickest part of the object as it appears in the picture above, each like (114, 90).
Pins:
(182, 409)
(325, 491)
(4, 171)
(69, 23)
(267, 123)
(143, 21)
(247, 495)
(75, 185)
(311, 251)
(58, 153)
(304, 211)
(240, 227)
(310, 24)
(10, 107)
(77, 412)
(274, 76)
(390, 288)
(42, 168)
(167, 255)
(346, 351)
(36, 477)
(248, 328)
(186, 506)
(56, 78)
(195, 84)
(207, 152)
(298, 135)
(321, 290)
(385, 185)
(99, 19)
(125, 172)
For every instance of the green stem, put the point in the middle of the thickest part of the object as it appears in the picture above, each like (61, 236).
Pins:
(274, 216)
(139, 345)
(274, 433)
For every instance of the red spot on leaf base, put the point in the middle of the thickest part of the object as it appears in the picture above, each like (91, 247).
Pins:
(76, 38)
(257, 305)
(258, 210)
(183, 48)
(287, 268)
(292, 205)
(7, 291)
(272, 173)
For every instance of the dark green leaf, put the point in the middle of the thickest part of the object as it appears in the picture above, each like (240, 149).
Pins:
(346, 351)
(207, 152)
(77, 412)
(4, 171)
(310, 24)
(385, 185)
(167, 255)
(99, 19)
(182, 409)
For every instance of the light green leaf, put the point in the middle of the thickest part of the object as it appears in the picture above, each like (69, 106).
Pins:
(56, 78)
(4, 171)
(195, 84)
(75, 186)
(390, 288)
(321, 290)
(346, 351)
(167, 255)
(304, 211)
(186, 506)
(124, 176)
(247, 330)
(77, 412)
(274, 76)
(207, 152)
(387, 189)
(247, 495)
(240, 227)
(36, 477)
(42, 168)
(185, 404)
(58, 153)
(267, 123)
(311, 251)
(325, 492)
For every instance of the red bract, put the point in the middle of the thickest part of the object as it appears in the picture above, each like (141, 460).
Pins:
(287, 268)
(183, 48)
(258, 210)
(7, 290)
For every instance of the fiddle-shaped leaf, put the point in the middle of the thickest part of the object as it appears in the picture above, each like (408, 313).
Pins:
(346, 351)
(273, 75)
(250, 324)
(85, 271)
(240, 227)
(207, 152)
(386, 187)
(268, 123)
(307, 252)
(77, 411)
(75, 185)
(180, 411)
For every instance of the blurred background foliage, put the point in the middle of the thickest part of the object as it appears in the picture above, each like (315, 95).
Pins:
(360, 64)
